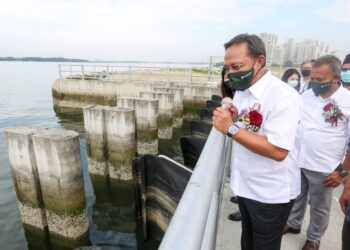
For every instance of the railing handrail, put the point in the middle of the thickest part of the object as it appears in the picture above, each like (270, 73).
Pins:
(195, 222)
(105, 70)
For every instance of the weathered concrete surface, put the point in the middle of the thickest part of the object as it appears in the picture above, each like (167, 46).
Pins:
(58, 160)
(77, 93)
(229, 231)
(121, 143)
(95, 139)
(178, 106)
(25, 174)
(126, 102)
(165, 111)
(148, 95)
(146, 112)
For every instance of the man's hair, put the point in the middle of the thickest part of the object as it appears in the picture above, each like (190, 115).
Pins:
(333, 62)
(306, 61)
(256, 46)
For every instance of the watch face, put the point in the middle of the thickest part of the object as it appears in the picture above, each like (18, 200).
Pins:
(344, 173)
(233, 130)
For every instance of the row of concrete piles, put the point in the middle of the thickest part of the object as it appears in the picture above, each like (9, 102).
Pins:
(48, 178)
(114, 135)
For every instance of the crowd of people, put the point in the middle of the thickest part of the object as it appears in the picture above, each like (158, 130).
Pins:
(291, 143)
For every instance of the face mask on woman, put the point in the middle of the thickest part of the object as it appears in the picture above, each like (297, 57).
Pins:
(293, 83)
(345, 75)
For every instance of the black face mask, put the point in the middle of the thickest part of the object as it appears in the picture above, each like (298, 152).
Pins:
(320, 88)
(305, 72)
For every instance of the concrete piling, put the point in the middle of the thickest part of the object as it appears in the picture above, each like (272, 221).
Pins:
(48, 177)
(178, 106)
(165, 118)
(95, 133)
(121, 144)
(110, 136)
(126, 102)
(25, 175)
(166, 111)
(148, 95)
(58, 159)
(146, 112)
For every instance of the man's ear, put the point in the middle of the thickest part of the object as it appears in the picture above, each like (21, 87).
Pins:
(261, 61)
(337, 78)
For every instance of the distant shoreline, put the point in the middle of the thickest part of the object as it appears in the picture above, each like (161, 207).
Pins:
(40, 59)
(62, 59)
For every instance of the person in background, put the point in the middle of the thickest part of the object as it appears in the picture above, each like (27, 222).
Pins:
(345, 73)
(321, 143)
(305, 69)
(225, 90)
(292, 77)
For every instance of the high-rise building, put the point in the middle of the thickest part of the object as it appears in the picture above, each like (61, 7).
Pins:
(291, 51)
(270, 41)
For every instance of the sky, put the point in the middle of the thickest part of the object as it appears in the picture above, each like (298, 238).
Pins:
(162, 30)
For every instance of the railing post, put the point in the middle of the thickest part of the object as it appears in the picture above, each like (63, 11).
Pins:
(60, 71)
(168, 75)
(210, 68)
(190, 76)
(129, 73)
(82, 72)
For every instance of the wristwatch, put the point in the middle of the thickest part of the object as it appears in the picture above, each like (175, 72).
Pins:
(341, 171)
(233, 130)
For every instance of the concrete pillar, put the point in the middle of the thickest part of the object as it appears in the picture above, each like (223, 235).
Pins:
(25, 175)
(126, 102)
(162, 89)
(148, 95)
(95, 133)
(166, 112)
(121, 145)
(146, 112)
(178, 106)
(58, 160)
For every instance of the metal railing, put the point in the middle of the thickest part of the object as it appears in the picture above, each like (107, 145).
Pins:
(195, 222)
(137, 73)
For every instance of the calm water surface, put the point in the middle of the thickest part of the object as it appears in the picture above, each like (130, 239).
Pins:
(25, 99)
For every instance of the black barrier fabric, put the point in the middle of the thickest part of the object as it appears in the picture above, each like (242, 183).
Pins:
(159, 184)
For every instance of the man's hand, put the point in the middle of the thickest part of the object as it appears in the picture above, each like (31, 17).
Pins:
(345, 199)
(333, 180)
(226, 100)
(228, 105)
(222, 119)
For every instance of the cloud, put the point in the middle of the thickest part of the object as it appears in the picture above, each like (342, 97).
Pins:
(124, 29)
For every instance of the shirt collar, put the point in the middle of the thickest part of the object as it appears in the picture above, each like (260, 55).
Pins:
(257, 89)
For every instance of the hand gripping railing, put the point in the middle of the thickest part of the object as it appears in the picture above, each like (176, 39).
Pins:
(195, 222)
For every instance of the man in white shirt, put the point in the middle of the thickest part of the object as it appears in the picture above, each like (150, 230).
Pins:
(267, 112)
(305, 69)
(320, 147)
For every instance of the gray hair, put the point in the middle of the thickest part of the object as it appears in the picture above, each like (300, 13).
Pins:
(333, 62)
(305, 62)
(256, 46)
